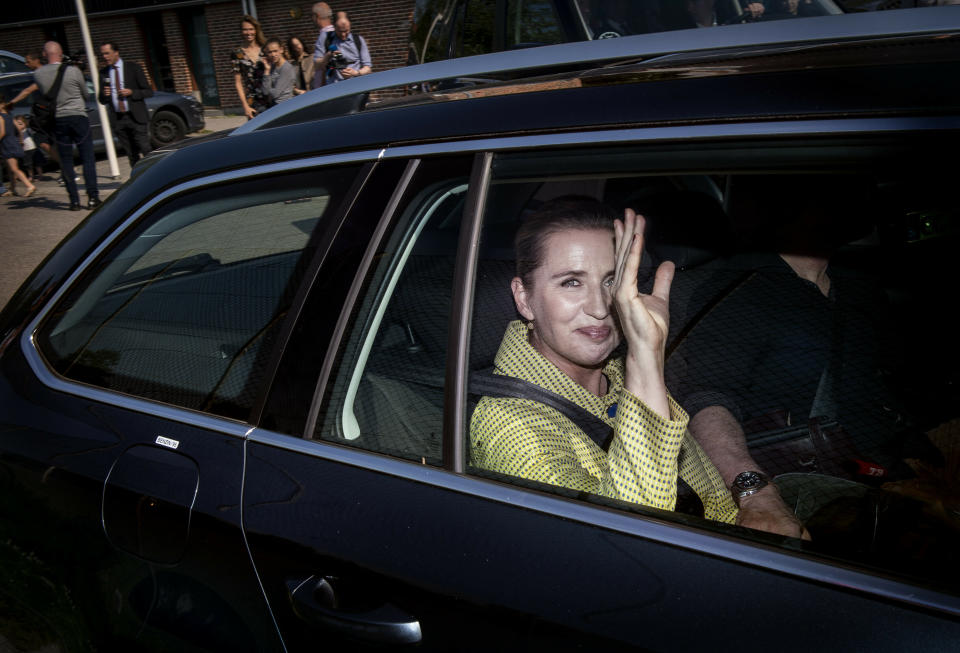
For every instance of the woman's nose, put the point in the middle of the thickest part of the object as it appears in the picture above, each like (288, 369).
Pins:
(598, 303)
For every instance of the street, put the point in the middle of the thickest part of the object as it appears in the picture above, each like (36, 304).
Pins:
(31, 227)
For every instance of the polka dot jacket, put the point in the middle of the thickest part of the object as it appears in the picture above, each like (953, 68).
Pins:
(525, 438)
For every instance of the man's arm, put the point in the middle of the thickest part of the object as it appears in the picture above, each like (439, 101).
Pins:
(365, 65)
(25, 92)
(104, 95)
(141, 89)
(722, 438)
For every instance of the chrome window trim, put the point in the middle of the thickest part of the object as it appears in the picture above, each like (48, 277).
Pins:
(828, 127)
(58, 383)
(651, 528)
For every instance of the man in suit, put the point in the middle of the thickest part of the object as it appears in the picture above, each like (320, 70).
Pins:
(123, 88)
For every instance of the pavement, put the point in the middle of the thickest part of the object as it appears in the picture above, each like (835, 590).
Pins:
(30, 227)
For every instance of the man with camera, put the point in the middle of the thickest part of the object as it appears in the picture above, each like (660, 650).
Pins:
(346, 55)
(123, 89)
(71, 126)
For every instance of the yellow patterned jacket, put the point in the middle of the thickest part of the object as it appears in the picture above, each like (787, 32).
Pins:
(525, 438)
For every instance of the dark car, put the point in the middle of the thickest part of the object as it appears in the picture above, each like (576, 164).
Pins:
(235, 403)
(458, 28)
(172, 116)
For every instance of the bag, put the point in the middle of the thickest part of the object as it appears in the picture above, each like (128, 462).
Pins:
(819, 446)
(45, 110)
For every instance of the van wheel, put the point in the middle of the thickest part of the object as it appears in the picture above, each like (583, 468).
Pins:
(166, 127)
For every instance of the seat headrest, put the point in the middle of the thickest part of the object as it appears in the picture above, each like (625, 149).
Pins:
(493, 309)
(686, 227)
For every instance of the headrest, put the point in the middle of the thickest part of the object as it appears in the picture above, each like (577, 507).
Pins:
(686, 227)
(493, 309)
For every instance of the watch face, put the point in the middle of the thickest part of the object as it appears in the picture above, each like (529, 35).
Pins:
(750, 480)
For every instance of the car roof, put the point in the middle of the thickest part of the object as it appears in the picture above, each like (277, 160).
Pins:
(852, 65)
(12, 55)
(588, 54)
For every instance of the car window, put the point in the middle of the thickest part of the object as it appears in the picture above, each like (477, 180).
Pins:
(531, 23)
(387, 394)
(803, 306)
(11, 87)
(185, 308)
(475, 28)
(11, 65)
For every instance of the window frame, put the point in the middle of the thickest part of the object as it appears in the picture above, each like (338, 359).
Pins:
(210, 421)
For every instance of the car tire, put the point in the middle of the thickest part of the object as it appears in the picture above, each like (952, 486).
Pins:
(166, 127)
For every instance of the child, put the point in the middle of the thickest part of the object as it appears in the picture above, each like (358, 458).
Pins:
(29, 161)
(10, 150)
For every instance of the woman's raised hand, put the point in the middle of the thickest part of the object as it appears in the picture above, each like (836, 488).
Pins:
(644, 319)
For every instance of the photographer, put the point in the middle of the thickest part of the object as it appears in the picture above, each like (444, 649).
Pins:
(71, 124)
(346, 54)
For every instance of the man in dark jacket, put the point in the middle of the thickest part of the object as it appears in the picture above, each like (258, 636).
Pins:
(123, 89)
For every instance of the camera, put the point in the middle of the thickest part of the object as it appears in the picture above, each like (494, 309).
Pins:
(75, 59)
(337, 60)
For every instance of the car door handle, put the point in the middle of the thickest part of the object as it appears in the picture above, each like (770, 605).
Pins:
(314, 601)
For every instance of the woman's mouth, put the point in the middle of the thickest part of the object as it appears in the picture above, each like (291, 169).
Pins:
(595, 333)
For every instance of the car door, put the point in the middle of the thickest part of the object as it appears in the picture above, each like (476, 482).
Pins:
(368, 523)
(124, 413)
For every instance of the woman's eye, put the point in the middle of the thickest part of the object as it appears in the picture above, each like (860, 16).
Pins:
(608, 283)
(570, 283)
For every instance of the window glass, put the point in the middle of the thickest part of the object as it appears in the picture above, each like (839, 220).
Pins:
(532, 23)
(475, 30)
(387, 394)
(184, 309)
(804, 321)
(613, 18)
(430, 33)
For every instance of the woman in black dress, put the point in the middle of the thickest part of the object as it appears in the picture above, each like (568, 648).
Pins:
(248, 67)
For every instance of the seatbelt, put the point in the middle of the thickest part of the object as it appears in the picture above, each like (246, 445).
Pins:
(488, 384)
(497, 385)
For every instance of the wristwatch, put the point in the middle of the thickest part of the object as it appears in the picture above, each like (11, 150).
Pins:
(747, 483)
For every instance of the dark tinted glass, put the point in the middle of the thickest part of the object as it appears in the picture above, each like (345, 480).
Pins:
(185, 308)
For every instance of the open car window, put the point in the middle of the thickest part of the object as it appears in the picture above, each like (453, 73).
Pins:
(842, 385)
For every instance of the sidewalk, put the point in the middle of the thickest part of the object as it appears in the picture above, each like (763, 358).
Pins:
(31, 227)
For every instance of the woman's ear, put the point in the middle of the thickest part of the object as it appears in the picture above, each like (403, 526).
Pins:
(520, 298)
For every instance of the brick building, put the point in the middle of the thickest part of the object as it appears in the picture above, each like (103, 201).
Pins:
(185, 46)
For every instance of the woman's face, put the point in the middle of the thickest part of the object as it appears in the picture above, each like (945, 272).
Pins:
(249, 32)
(570, 300)
(296, 48)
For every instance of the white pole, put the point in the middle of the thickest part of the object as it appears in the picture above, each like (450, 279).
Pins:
(95, 77)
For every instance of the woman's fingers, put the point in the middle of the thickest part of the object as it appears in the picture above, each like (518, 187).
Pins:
(631, 253)
(663, 280)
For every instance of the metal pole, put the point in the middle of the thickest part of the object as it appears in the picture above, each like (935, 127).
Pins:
(95, 78)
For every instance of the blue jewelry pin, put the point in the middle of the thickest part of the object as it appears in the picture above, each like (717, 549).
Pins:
(612, 411)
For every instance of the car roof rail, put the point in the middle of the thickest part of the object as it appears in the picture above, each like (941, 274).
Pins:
(345, 97)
